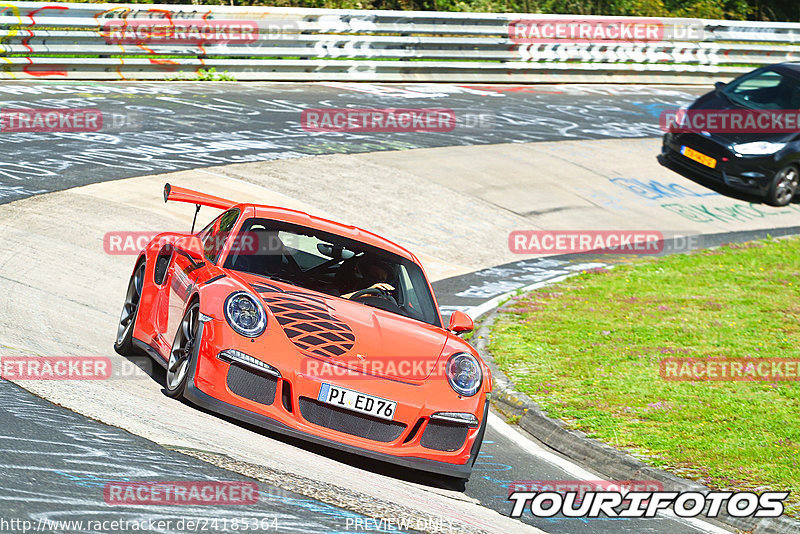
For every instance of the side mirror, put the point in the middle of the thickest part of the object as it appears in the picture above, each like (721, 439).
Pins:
(460, 322)
(720, 86)
(191, 247)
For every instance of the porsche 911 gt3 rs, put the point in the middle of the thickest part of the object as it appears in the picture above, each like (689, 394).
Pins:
(311, 328)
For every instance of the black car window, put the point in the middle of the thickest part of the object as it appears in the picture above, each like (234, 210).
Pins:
(765, 89)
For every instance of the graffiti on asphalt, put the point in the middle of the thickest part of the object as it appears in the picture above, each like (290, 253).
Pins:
(656, 190)
(495, 281)
(153, 128)
(62, 462)
(703, 213)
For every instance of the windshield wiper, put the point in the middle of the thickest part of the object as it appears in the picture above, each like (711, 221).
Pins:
(735, 102)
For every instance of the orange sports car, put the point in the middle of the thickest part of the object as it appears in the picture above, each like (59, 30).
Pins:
(310, 328)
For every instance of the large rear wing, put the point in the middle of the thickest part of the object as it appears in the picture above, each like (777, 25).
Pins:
(180, 194)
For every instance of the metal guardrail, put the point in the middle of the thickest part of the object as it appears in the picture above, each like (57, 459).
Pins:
(55, 41)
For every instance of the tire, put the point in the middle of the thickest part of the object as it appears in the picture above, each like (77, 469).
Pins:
(181, 355)
(130, 310)
(784, 186)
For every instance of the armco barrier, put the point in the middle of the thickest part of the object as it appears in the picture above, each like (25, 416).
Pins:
(55, 41)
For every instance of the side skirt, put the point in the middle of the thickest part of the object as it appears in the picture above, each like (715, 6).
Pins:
(150, 350)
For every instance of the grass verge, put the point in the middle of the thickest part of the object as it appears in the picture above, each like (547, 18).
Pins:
(588, 351)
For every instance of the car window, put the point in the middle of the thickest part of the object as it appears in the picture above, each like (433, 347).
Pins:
(407, 285)
(335, 265)
(765, 89)
(763, 80)
(304, 249)
(215, 235)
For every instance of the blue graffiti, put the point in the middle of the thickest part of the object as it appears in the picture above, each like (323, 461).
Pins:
(655, 190)
(654, 109)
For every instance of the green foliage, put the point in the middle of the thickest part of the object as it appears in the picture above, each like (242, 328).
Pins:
(203, 75)
(211, 75)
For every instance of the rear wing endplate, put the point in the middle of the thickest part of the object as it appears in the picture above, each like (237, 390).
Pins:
(181, 194)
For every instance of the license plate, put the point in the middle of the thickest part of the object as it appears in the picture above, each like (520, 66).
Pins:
(358, 402)
(708, 161)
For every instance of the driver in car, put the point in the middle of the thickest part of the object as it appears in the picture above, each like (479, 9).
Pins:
(371, 271)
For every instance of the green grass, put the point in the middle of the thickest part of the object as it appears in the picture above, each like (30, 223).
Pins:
(588, 351)
(203, 75)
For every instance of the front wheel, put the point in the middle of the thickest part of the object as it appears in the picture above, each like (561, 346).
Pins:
(127, 319)
(180, 357)
(783, 186)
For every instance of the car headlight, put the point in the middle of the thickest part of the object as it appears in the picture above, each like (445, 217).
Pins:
(245, 314)
(676, 119)
(757, 148)
(464, 374)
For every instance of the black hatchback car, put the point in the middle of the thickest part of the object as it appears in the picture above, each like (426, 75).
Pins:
(745, 134)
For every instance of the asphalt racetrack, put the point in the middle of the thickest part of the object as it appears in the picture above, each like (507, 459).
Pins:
(590, 142)
(151, 128)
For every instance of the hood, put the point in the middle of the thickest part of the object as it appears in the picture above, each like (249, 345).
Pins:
(714, 100)
(349, 334)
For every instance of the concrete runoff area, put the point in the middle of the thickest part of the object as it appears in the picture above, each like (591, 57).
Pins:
(452, 206)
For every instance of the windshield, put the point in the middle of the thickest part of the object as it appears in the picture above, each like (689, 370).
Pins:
(333, 265)
(765, 89)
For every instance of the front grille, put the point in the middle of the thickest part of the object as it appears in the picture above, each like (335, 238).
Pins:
(703, 144)
(252, 385)
(352, 423)
(442, 436)
(411, 435)
(286, 396)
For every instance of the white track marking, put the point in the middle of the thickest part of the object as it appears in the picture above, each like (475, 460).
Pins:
(534, 449)
(477, 311)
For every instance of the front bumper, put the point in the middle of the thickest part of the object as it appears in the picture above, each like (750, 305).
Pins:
(749, 174)
(410, 440)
